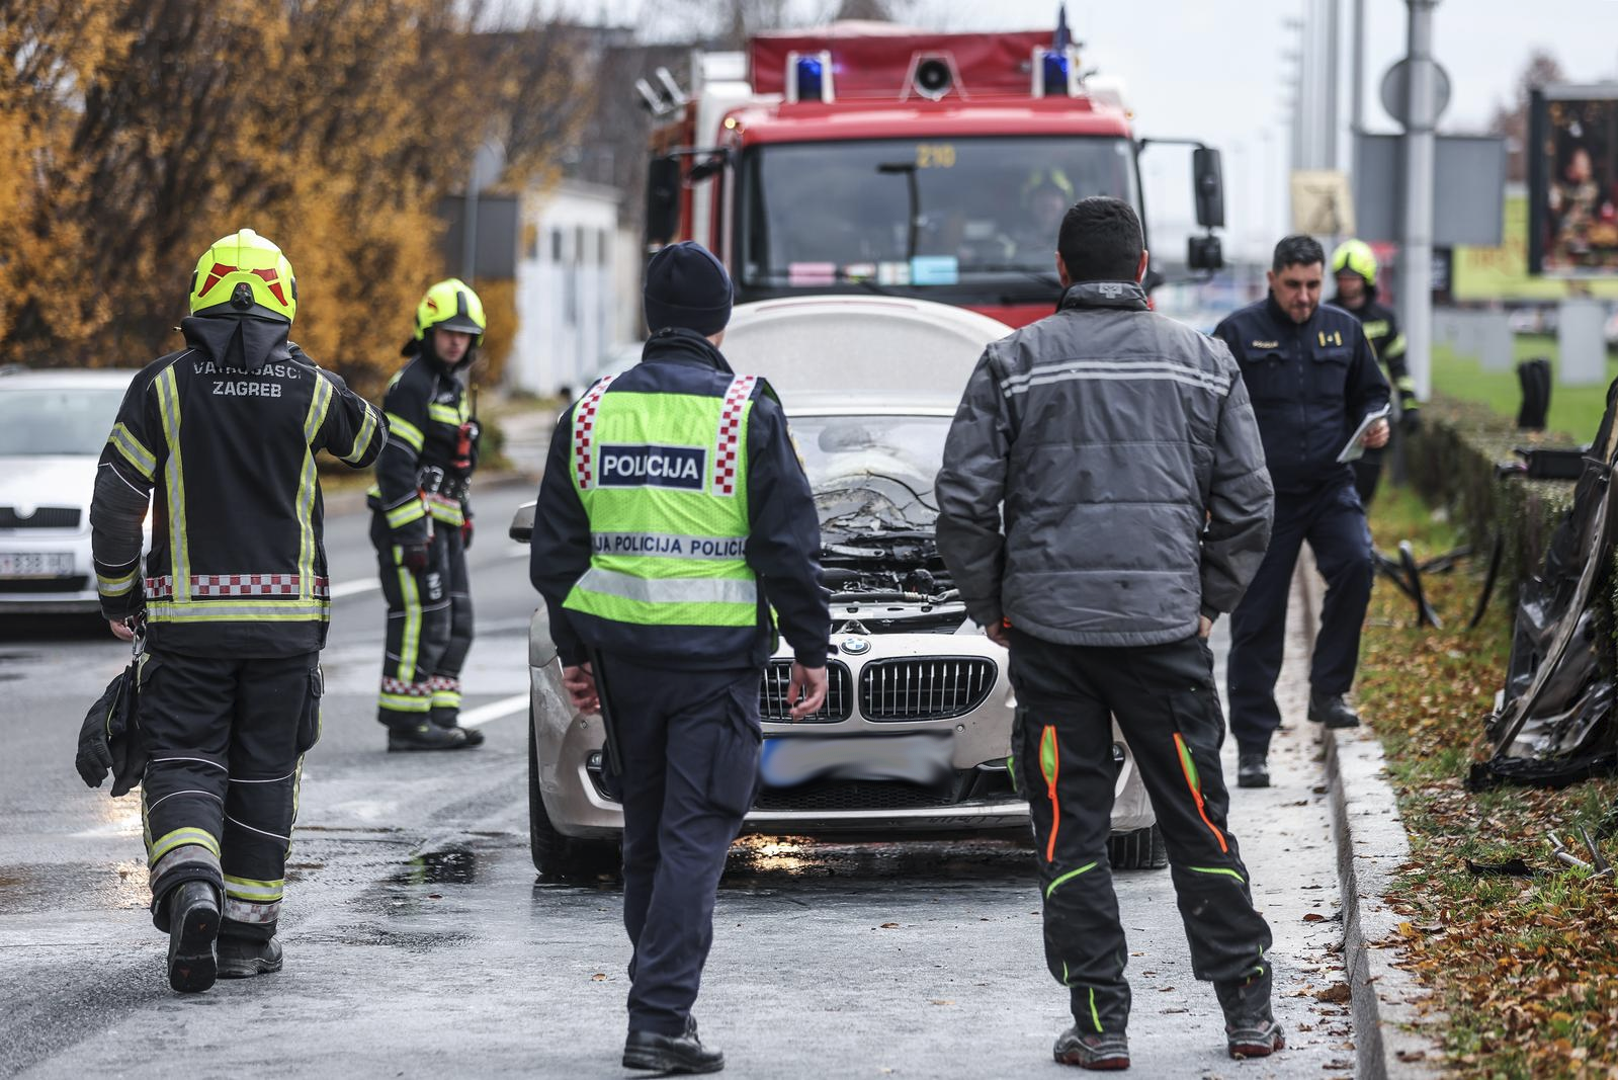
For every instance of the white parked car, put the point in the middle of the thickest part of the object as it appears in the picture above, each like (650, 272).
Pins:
(53, 425)
(916, 728)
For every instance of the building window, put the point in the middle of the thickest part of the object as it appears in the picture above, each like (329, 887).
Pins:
(556, 246)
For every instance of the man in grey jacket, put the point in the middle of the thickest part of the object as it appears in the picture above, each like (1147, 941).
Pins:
(1137, 507)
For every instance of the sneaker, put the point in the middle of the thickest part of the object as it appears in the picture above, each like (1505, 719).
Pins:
(1332, 710)
(1252, 769)
(1254, 1038)
(1096, 1050)
(193, 926)
(427, 736)
(241, 958)
(672, 1054)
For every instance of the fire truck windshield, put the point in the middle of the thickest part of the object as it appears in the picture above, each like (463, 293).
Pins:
(957, 218)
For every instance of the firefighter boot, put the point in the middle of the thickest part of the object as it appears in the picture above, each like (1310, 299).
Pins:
(1095, 1050)
(426, 735)
(449, 718)
(1250, 1027)
(193, 926)
(241, 958)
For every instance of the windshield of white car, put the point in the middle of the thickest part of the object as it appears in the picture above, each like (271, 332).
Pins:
(41, 423)
(872, 474)
(920, 214)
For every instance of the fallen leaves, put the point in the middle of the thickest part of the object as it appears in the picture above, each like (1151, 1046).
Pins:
(1335, 994)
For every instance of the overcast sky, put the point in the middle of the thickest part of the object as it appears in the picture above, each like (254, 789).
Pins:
(1212, 69)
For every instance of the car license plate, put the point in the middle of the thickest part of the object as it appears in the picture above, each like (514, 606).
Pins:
(31, 564)
(921, 758)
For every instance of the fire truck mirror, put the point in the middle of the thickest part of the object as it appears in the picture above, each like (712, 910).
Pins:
(1208, 183)
(1204, 253)
(662, 201)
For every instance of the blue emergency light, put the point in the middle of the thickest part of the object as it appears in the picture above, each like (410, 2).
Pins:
(809, 76)
(1056, 72)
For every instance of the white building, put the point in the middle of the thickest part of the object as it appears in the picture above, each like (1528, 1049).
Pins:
(578, 287)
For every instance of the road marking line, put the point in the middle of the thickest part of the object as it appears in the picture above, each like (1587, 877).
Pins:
(494, 710)
(353, 588)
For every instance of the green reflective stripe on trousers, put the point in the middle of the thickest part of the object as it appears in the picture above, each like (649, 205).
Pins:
(171, 840)
(1217, 870)
(308, 484)
(168, 407)
(144, 461)
(446, 699)
(1011, 770)
(1095, 1017)
(362, 441)
(405, 431)
(1065, 877)
(405, 703)
(405, 514)
(1047, 754)
(410, 641)
(1190, 767)
(261, 892)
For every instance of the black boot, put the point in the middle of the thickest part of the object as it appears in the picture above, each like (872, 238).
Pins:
(1250, 1027)
(241, 958)
(451, 718)
(426, 735)
(193, 926)
(1252, 769)
(1332, 710)
(670, 1054)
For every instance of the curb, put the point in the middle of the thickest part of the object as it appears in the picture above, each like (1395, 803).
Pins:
(1371, 845)
(352, 500)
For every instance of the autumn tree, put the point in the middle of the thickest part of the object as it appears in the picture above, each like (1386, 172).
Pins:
(333, 128)
(1511, 120)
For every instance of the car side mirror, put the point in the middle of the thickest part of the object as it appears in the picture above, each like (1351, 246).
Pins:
(663, 184)
(1208, 184)
(522, 523)
(1204, 253)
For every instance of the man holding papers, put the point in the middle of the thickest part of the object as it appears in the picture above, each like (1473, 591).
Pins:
(1314, 381)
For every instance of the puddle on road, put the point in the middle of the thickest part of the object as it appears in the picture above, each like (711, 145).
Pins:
(449, 866)
(763, 861)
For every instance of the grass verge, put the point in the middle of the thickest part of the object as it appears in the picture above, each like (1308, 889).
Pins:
(1575, 411)
(1526, 967)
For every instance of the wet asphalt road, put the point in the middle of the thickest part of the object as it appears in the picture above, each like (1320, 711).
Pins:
(419, 942)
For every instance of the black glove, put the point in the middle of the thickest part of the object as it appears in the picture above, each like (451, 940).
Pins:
(466, 535)
(1410, 419)
(109, 739)
(413, 557)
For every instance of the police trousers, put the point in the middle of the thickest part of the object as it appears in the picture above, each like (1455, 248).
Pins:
(226, 740)
(1333, 522)
(1165, 703)
(689, 744)
(429, 629)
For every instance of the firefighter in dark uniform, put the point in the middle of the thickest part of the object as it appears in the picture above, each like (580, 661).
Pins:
(1354, 267)
(220, 439)
(421, 525)
(673, 518)
(1313, 378)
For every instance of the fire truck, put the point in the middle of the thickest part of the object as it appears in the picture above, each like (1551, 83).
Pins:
(863, 158)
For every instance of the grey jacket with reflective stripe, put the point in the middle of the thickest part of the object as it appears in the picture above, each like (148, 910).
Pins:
(1123, 449)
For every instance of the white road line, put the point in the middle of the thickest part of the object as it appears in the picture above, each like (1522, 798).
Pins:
(353, 588)
(494, 710)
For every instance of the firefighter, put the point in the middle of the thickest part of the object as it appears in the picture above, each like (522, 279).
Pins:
(1354, 267)
(220, 438)
(673, 519)
(1104, 581)
(1313, 379)
(421, 525)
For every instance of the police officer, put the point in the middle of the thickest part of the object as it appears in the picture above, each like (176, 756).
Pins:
(1313, 378)
(1354, 267)
(1122, 450)
(234, 599)
(421, 525)
(674, 516)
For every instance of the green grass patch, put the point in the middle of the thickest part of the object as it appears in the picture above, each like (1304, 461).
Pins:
(1525, 968)
(1575, 410)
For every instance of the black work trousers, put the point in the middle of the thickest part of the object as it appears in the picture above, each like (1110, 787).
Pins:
(1332, 520)
(429, 629)
(690, 745)
(1367, 473)
(226, 740)
(1164, 699)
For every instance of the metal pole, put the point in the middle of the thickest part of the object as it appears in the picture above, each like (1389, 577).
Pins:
(469, 225)
(1415, 287)
(1333, 21)
(1356, 119)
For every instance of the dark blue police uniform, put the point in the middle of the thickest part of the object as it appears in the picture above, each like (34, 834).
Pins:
(1311, 383)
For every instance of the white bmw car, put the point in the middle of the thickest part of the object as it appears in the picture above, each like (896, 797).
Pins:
(916, 728)
(53, 425)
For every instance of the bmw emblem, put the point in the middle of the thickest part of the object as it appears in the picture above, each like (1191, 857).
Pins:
(855, 646)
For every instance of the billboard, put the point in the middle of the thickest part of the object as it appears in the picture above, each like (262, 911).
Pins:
(1500, 272)
(1573, 181)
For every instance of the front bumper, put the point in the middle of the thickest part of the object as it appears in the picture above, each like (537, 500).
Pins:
(72, 594)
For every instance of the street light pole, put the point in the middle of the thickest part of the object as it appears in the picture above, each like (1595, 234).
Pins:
(1333, 21)
(1416, 284)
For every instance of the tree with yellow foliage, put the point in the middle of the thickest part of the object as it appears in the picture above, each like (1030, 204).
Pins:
(145, 129)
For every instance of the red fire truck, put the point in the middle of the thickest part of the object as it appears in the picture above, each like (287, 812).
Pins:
(864, 158)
